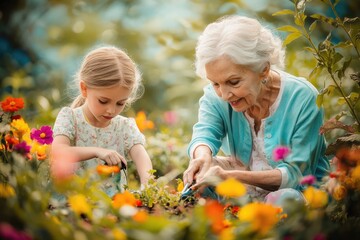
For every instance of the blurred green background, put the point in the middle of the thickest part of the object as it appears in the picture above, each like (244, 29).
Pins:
(42, 43)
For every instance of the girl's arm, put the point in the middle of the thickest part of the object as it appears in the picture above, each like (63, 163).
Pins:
(61, 147)
(142, 162)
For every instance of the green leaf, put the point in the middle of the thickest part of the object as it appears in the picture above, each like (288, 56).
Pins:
(291, 37)
(310, 49)
(315, 72)
(331, 89)
(319, 100)
(312, 26)
(343, 44)
(341, 101)
(284, 12)
(288, 28)
(300, 19)
(353, 97)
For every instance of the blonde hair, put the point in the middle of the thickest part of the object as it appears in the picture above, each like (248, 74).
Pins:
(106, 66)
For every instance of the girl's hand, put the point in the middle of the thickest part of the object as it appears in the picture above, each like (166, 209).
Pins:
(111, 157)
(197, 169)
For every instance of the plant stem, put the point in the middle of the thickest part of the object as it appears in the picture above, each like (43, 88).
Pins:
(341, 23)
(352, 110)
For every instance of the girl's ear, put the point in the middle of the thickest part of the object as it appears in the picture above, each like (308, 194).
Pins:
(83, 89)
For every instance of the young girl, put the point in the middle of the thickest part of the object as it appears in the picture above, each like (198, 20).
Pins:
(91, 132)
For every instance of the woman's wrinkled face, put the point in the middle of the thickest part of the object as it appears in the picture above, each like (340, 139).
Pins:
(234, 83)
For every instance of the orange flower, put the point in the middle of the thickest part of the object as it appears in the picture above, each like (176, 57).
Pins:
(140, 216)
(339, 192)
(11, 104)
(106, 170)
(142, 122)
(215, 212)
(262, 217)
(125, 198)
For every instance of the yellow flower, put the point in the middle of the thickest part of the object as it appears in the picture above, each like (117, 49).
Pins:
(231, 188)
(261, 217)
(180, 186)
(6, 190)
(119, 234)
(41, 151)
(356, 174)
(339, 192)
(79, 204)
(227, 234)
(316, 198)
(20, 127)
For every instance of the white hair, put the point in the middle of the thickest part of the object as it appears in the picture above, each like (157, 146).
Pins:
(242, 39)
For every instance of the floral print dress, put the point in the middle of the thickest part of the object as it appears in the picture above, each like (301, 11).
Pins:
(120, 135)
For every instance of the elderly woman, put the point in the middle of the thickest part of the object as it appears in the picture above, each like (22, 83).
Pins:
(249, 108)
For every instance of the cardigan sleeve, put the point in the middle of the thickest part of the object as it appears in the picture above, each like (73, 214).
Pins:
(210, 128)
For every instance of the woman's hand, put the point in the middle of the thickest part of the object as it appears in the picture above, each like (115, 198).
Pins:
(213, 175)
(197, 169)
(111, 157)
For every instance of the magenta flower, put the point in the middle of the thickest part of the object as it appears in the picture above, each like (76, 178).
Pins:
(44, 135)
(22, 148)
(9, 232)
(309, 180)
(280, 153)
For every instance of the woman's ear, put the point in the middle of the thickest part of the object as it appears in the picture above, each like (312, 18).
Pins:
(265, 72)
(83, 89)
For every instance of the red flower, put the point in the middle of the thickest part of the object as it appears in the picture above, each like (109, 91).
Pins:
(11, 104)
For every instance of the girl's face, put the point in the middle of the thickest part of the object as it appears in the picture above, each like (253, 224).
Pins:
(103, 103)
(234, 83)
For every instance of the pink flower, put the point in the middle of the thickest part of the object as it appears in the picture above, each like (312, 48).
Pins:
(42, 135)
(309, 180)
(9, 232)
(280, 153)
(170, 117)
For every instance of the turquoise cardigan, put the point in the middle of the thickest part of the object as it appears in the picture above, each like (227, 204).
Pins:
(295, 124)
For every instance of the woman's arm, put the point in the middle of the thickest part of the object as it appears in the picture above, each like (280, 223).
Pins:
(269, 179)
(142, 162)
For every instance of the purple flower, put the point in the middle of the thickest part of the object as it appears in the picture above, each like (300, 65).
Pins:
(9, 232)
(22, 148)
(280, 153)
(44, 135)
(309, 180)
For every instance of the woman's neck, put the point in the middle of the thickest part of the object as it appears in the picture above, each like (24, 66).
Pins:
(268, 94)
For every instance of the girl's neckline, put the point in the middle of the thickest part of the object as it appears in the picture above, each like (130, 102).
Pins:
(88, 121)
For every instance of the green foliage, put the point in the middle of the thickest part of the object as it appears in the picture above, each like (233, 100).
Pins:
(337, 61)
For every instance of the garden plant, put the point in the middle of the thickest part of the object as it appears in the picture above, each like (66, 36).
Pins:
(28, 184)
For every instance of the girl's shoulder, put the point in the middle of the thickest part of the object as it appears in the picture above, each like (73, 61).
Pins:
(124, 121)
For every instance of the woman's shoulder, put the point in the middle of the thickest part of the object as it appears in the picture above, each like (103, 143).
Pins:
(297, 84)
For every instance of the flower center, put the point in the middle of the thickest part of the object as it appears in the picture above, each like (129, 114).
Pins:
(12, 103)
(42, 135)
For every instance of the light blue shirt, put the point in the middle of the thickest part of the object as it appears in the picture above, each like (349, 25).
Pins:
(294, 124)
